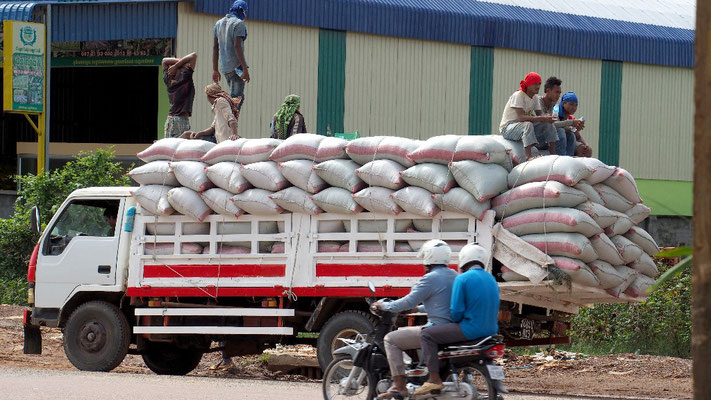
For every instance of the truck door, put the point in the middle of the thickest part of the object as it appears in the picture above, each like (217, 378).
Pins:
(79, 248)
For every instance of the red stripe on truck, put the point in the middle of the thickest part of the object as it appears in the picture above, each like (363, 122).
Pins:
(394, 270)
(211, 291)
(213, 271)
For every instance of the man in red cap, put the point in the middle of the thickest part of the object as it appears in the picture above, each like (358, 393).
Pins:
(522, 119)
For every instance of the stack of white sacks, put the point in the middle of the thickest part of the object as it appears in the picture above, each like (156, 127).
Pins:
(580, 211)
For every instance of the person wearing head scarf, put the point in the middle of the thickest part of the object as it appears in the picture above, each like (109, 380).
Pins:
(178, 78)
(569, 127)
(225, 111)
(288, 120)
(228, 51)
(523, 120)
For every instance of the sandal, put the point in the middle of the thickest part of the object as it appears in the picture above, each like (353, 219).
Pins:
(427, 388)
(393, 394)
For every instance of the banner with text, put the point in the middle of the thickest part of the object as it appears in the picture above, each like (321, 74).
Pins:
(23, 66)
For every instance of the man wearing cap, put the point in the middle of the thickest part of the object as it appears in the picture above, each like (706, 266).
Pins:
(522, 119)
(228, 50)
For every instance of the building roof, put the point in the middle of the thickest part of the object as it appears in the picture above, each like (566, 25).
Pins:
(645, 31)
(16, 10)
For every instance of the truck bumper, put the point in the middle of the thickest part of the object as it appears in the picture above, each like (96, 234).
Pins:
(33, 335)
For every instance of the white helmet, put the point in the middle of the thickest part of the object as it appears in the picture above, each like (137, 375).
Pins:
(435, 252)
(473, 252)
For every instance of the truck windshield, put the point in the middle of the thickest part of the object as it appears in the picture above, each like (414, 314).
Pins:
(95, 218)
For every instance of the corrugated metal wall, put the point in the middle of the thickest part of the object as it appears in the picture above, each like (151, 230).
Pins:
(578, 75)
(405, 87)
(657, 122)
(283, 59)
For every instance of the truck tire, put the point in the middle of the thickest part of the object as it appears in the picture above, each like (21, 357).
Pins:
(346, 324)
(169, 359)
(96, 337)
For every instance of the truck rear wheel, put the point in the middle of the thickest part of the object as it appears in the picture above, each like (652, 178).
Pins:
(96, 337)
(346, 325)
(169, 359)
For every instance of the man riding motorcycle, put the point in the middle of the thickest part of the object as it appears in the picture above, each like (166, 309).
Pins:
(474, 312)
(433, 291)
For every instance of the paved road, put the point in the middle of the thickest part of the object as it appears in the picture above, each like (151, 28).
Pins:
(43, 384)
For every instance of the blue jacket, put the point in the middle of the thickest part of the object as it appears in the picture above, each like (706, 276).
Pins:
(475, 303)
(434, 290)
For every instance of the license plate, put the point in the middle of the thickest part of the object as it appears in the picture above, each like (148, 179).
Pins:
(496, 372)
(527, 328)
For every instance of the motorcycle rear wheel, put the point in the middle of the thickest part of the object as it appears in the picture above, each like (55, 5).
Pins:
(334, 378)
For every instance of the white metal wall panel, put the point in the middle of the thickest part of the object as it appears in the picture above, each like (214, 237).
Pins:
(578, 75)
(283, 59)
(657, 122)
(405, 87)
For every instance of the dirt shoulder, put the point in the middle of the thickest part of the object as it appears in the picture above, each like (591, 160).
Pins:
(613, 376)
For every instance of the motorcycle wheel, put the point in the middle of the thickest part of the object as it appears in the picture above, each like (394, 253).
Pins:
(478, 377)
(334, 379)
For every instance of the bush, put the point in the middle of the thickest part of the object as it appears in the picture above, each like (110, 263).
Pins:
(47, 192)
(661, 325)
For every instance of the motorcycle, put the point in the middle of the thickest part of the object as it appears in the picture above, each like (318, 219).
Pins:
(360, 370)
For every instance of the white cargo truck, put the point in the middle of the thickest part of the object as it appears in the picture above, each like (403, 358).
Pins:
(167, 287)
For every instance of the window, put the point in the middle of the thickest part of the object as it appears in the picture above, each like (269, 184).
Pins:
(94, 218)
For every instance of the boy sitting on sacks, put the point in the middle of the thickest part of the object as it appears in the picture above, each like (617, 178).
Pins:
(569, 127)
(522, 119)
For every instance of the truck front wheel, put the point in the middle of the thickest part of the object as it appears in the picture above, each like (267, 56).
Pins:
(169, 359)
(345, 325)
(96, 337)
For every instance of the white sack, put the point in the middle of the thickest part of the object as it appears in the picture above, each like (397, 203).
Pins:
(567, 170)
(459, 200)
(572, 245)
(642, 239)
(621, 226)
(340, 173)
(227, 175)
(302, 175)
(257, 202)
(536, 195)
(385, 173)
(220, 201)
(192, 150)
(365, 150)
(514, 147)
(623, 182)
(192, 174)
(163, 149)
(602, 215)
(336, 200)
(226, 151)
(549, 220)
(296, 200)
(154, 173)
(483, 181)
(640, 286)
(256, 150)
(608, 275)
(606, 250)
(578, 271)
(612, 199)
(602, 170)
(377, 200)
(264, 175)
(589, 190)
(435, 178)
(297, 147)
(638, 213)
(188, 202)
(165, 249)
(628, 250)
(417, 201)
(331, 148)
(645, 265)
(629, 276)
(153, 198)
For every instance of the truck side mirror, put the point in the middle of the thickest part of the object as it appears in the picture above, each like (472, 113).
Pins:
(35, 220)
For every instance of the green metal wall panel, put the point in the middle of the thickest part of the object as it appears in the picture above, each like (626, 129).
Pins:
(610, 106)
(331, 80)
(481, 84)
(667, 197)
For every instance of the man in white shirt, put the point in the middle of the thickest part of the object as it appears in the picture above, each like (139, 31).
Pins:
(522, 119)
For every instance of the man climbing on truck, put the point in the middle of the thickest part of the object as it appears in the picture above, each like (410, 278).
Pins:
(433, 291)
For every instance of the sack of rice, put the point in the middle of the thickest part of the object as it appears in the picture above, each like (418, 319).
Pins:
(645, 265)
(377, 200)
(264, 175)
(329, 247)
(509, 275)
(606, 250)
(165, 249)
(295, 200)
(169, 229)
(365, 150)
(219, 200)
(257, 202)
(227, 175)
(608, 275)
(590, 192)
(192, 150)
(416, 200)
(571, 245)
(297, 147)
(515, 149)
(435, 178)
(480, 148)
(629, 276)
(385, 173)
(226, 151)
(331, 148)
(640, 286)
(163, 149)
(302, 175)
(623, 182)
(622, 225)
(602, 215)
(628, 250)
(459, 200)
(566, 170)
(227, 249)
(536, 195)
(371, 247)
(153, 198)
(483, 181)
(336, 200)
(278, 248)
(192, 174)
(332, 226)
(601, 170)
(638, 213)
(256, 150)
(612, 199)
(549, 220)
(154, 173)
(642, 239)
(437, 149)
(578, 271)
(188, 202)
(340, 173)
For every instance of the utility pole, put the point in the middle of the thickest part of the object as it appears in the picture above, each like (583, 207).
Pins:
(701, 266)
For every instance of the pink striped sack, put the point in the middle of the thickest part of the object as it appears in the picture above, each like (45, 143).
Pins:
(365, 150)
(163, 149)
(483, 149)
(227, 151)
(437, 149)
(608, 275)
(613, 199)
(509, 275)
(549, 220)
(578, 271)
(537, 195)
(297, 147)
(601, 170)
(623, 182)
(571, 245)
(622, 225)
(192, 150)
(639, 287)
(566, 170)
(164, 249)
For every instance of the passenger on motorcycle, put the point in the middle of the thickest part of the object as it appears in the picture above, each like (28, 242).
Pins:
(474, 311)
(433, 291)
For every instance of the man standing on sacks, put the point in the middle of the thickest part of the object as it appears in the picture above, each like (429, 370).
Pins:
(434, 292)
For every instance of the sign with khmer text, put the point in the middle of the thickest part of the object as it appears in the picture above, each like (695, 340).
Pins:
(23, 66)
